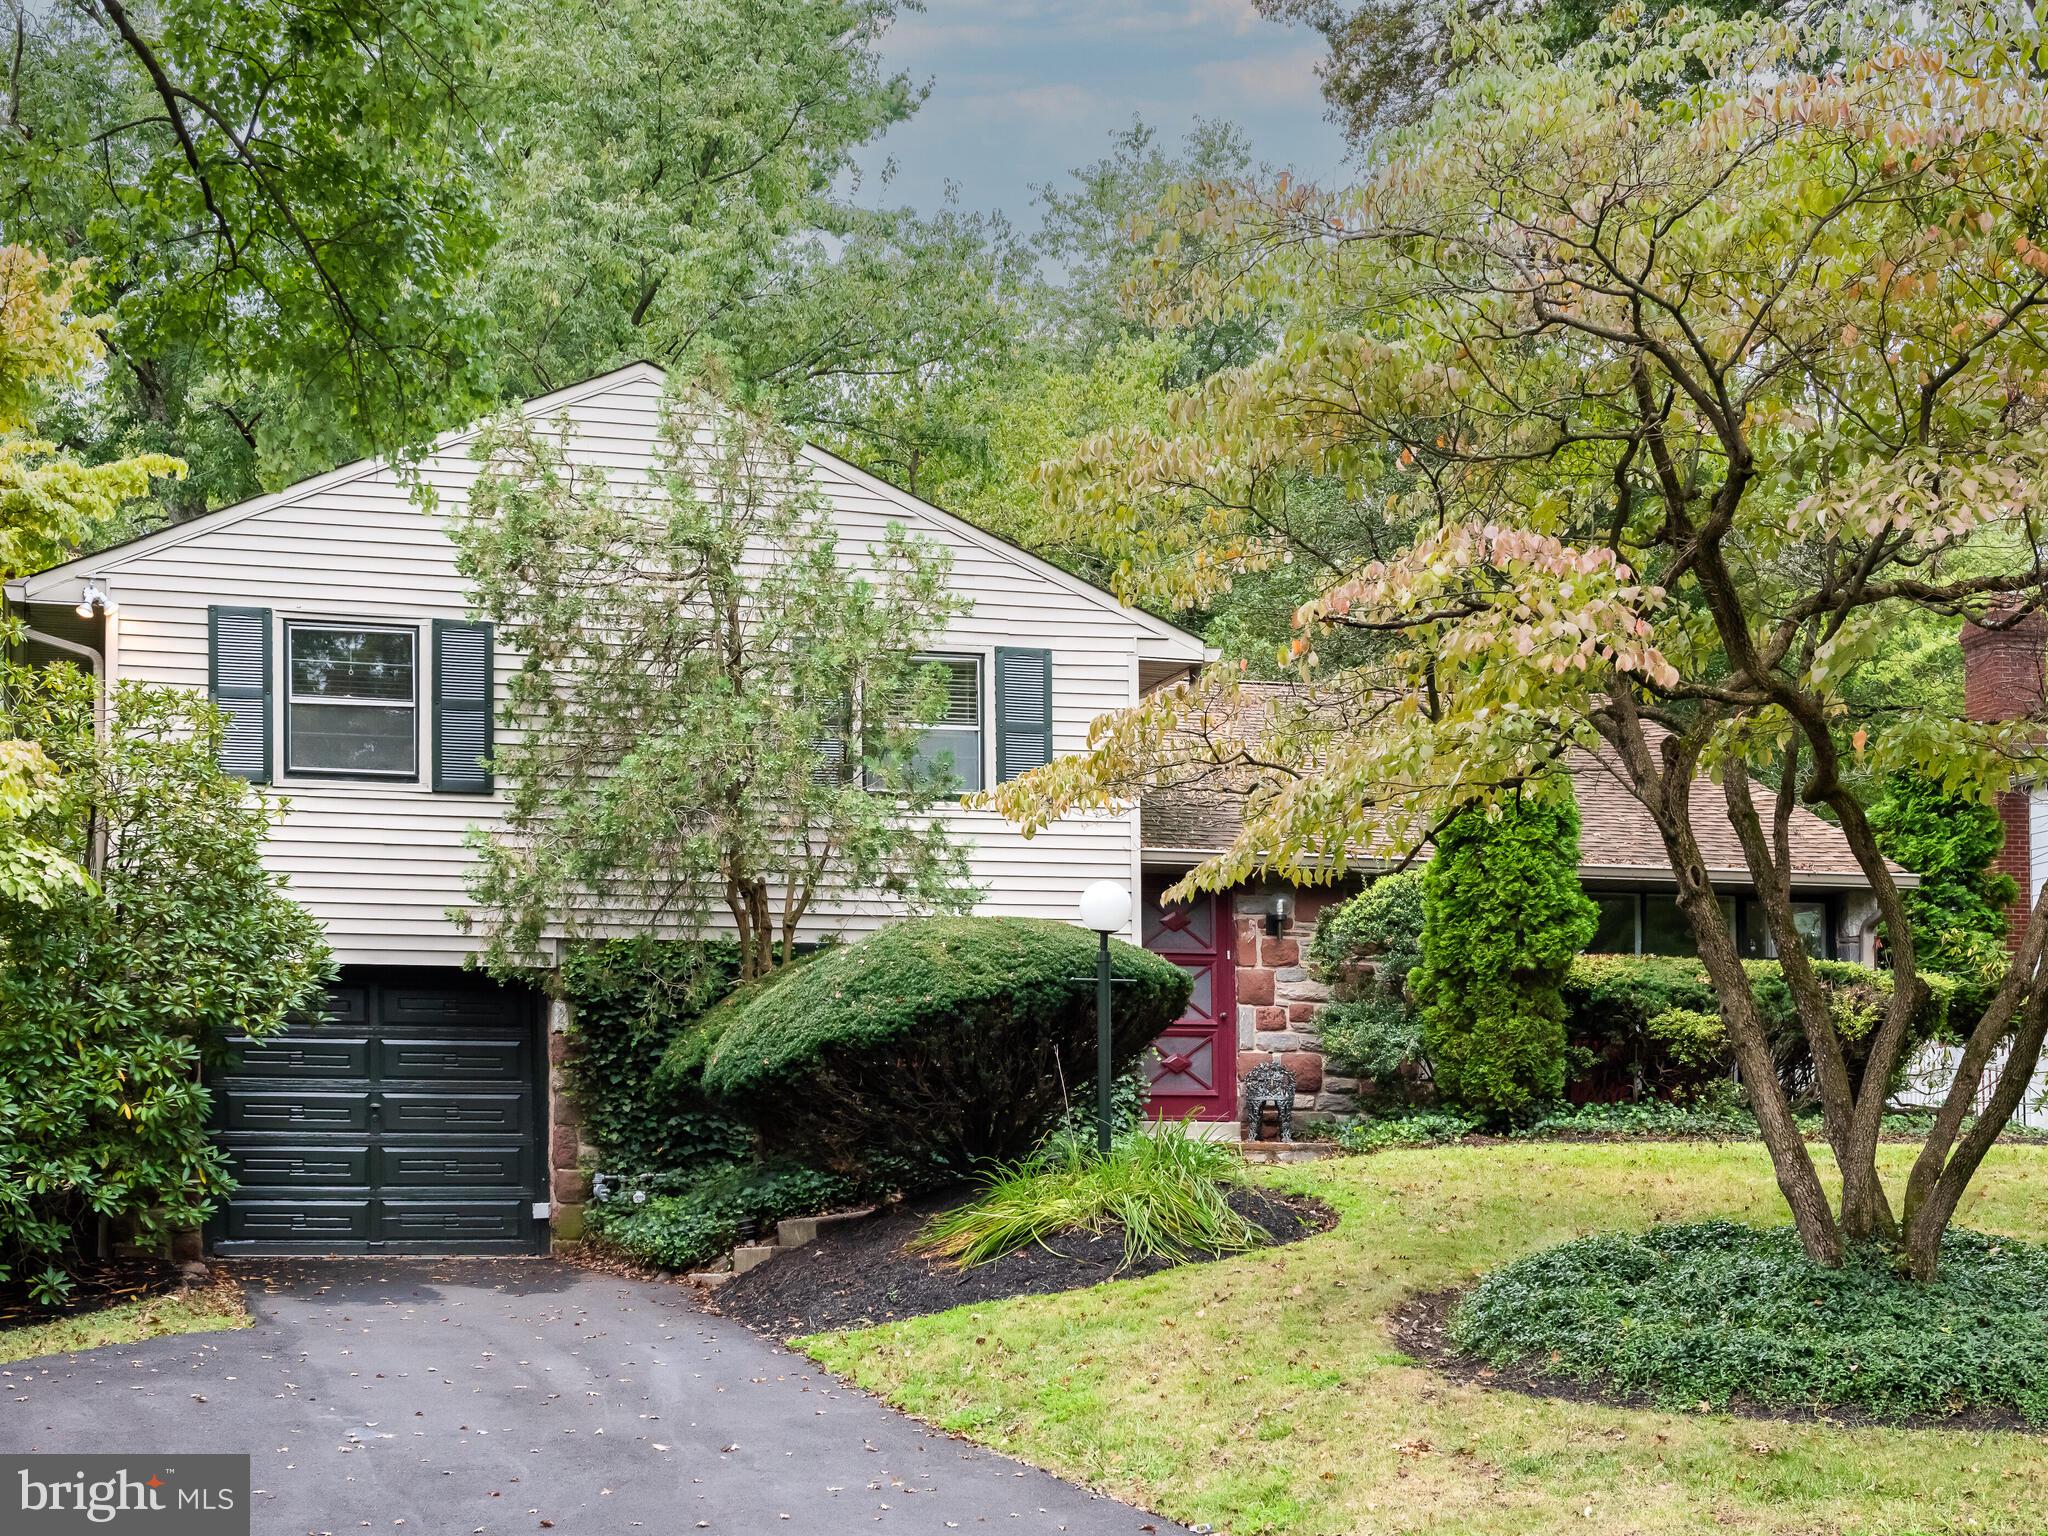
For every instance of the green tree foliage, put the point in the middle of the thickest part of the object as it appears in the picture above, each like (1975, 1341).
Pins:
(650, 164)
(115, 995)
(1949, 839)
(880, 333)
(761, 695)
(1503, 918)
(278, 203)
(931, 1046)
(1682, 371)
(50, 503)
(1092, 240)
(1389, 60)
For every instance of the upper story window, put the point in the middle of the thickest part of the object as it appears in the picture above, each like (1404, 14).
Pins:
(953, 741)
(352, 700)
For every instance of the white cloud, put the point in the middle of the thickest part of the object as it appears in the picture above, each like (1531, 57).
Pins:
(1265, 80)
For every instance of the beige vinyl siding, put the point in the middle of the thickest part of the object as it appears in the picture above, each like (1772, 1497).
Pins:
(381, 863)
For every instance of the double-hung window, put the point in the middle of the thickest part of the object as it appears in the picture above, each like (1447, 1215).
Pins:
(953, 741)
(352, 700)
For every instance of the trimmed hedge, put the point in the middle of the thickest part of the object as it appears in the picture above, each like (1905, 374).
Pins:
(927, 1048)
(1658, 1016)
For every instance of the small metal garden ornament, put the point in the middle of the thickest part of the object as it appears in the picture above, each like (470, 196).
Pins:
(1266, 1086)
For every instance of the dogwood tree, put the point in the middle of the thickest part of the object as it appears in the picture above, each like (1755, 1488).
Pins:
(1666, 375)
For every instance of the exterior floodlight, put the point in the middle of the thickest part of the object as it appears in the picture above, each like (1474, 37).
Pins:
(1105, 907)
(93, 600)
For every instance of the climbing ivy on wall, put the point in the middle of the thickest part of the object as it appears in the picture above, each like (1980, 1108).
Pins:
(629, 999)
(1503, 917)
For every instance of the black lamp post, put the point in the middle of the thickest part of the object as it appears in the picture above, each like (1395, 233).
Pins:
(1105, 907)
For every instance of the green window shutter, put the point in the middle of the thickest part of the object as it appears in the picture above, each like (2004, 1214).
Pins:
(238, 681)
(1023, 712)
(463, 668)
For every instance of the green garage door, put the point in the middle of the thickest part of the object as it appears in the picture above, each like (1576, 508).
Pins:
(406, 1121)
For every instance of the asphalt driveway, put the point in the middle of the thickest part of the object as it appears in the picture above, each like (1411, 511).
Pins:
(450, 1397)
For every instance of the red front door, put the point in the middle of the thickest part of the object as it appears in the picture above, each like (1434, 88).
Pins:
(1192, 1068)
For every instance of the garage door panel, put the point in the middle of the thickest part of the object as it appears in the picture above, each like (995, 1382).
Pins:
(452, 1167)
(467, 1114)
(344, 1003)
(466, 1224)
(302, 1056)
(338, 1222)
(452, 1061)
(261, 1166)
(447, 1005)
(291, 1109)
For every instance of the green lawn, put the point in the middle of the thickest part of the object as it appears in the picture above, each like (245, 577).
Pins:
(1261, 1394)
(205, 1309)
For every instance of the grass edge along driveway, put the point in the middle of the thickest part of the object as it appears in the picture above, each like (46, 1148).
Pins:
(1261, 1394)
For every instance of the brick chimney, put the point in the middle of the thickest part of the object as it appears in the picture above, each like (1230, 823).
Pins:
(2005, 677)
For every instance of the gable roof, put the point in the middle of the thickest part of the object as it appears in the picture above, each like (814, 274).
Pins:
(55, 584)
(1618, 839)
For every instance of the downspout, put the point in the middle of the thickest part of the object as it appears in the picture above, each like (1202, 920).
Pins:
(96, 857)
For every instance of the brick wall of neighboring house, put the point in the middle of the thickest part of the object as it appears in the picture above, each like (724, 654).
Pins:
(2005, 676)
(1278, 1001)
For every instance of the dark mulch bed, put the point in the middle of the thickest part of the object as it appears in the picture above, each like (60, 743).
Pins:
(857, 1275)
(1420, 1327)
(107, 1286)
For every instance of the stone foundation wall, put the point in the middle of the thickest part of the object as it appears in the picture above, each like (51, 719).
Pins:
(568, 1184)
(1278, 1001)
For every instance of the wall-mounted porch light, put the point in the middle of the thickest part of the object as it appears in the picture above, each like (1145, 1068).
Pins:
(1279, 912)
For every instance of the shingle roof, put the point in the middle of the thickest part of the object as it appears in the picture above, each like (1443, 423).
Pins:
(1618, 840)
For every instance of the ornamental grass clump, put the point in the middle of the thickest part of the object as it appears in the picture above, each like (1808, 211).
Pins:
(1706, 1314)
(1165, 1189)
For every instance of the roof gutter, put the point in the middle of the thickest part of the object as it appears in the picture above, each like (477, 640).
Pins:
(1619, 874)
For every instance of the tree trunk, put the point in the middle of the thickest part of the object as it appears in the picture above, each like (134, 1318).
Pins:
(1666, 790)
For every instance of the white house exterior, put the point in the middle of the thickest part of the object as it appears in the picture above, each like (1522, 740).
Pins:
(421, 1118)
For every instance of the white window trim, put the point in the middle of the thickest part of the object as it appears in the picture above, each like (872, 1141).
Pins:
(340, 776)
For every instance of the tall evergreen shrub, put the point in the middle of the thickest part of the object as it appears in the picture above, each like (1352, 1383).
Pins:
(1503, 917)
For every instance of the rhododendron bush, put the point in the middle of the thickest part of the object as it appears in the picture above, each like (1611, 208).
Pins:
(1659, 381)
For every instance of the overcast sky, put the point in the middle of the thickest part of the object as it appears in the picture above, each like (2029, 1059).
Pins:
(1022, 91)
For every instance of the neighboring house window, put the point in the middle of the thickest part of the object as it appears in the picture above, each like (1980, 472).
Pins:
(1639, 923)
(351, 701)
(953, 741)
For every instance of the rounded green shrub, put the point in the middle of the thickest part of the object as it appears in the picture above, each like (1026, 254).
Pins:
(1714, 1312)
(931, 1046)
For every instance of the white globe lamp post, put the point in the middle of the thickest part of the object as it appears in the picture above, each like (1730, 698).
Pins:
(1105, 907)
